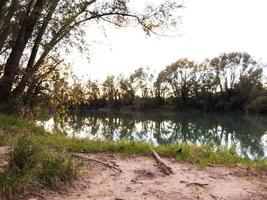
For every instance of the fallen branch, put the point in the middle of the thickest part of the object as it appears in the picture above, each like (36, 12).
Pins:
(114, 166)
(197, 184)
(162, 164)
(194, 183)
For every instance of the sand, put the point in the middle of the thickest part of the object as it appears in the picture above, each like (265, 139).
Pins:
(142, 179)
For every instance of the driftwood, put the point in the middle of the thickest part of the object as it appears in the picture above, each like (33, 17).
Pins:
(112, 166)
(194, 183)
(162, 164)
(198, 184)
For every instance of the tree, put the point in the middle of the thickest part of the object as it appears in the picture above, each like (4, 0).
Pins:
(140, 79)
(126, 90)
(179, 77)
(46, 26)
(110, 92)
(231, 67)
(160, 86)
(92, 90)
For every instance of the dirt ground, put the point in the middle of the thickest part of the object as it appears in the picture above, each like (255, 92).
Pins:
(141, 179)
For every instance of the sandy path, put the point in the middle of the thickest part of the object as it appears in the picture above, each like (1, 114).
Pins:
(141, 179)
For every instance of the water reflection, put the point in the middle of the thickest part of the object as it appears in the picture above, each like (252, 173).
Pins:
(249, 133)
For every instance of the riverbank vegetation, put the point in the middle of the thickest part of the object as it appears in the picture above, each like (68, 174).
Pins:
(200, 155)
(230, 82)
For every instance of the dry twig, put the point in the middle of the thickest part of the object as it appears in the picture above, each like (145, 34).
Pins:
(112, 166)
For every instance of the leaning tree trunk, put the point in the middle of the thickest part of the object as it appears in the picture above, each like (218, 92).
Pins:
(5, 27)
(33, 68)
(29, 69)
(12, 64)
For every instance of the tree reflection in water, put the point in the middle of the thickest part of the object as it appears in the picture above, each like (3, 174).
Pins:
(247, 132)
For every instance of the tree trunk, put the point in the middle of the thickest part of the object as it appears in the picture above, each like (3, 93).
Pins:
(29, 69)
(6, 23)
(33, 68)
(11, 66)
(54, 41)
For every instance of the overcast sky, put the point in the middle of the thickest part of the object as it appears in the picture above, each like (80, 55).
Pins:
(208, 28)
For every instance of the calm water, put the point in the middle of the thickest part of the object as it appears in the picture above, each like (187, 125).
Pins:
(248, 133)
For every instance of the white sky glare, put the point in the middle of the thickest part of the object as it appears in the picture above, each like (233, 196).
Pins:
(208, 28)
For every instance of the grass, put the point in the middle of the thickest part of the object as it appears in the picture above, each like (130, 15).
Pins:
(39, 159)
(200, 155)
(31, 164)
(12, 127)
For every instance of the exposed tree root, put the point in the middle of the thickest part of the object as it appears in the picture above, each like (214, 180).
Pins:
(112, 166)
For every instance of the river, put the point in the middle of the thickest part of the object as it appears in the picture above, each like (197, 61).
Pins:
(247, 133)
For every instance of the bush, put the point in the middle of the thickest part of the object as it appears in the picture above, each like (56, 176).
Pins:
(32, 165)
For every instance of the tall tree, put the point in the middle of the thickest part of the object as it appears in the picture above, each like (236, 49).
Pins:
(5, 25)
(180, 77)
(12, 63)
(230, 67)
(140, 79)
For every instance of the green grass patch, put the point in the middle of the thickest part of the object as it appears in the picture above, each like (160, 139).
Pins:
(200, 155)
(12, 127)
(31, 164)
(15, 125)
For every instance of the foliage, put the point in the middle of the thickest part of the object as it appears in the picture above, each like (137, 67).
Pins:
(229, 82)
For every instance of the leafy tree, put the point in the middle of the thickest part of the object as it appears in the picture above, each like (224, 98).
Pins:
(180, 77)
(92, 90)
(160, 85)
(126, 90)
(110, 90)
(232, 67)
(140, 79)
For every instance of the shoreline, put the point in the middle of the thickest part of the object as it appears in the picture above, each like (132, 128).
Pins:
(21, 135)
(140, 178)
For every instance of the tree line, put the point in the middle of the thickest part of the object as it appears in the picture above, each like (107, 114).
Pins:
(229, 82)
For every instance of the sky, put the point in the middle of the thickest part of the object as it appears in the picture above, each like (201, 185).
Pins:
(207, 29)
